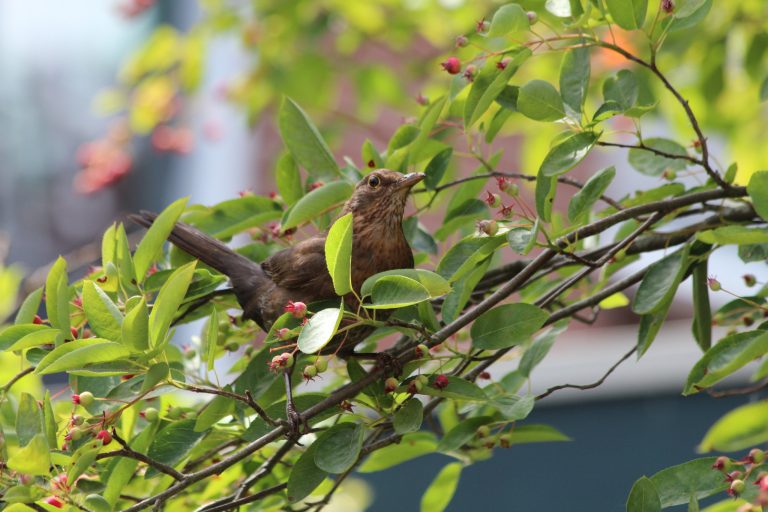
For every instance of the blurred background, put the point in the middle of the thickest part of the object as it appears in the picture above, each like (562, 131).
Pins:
(85, 138)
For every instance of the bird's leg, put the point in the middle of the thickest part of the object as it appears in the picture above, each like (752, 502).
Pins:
(295, 420)
(390, 363)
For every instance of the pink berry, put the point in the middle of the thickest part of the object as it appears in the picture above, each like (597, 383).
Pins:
(441, 381)
(452, 65)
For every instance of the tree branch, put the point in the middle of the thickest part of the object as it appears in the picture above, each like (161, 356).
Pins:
(129, 452)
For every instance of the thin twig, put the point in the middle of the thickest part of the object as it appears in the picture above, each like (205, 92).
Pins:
(16, 378)
(246, 398)
(655, 151)
(129, 452)
(592, 385)
(748, 390)
(248, 499)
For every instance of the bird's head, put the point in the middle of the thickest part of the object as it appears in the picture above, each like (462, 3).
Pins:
(382, 195)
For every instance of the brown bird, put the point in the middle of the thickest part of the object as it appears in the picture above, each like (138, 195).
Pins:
(299, 273)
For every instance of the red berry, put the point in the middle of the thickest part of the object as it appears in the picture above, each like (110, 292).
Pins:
(73, 332)
(668, 6)
(485, 376)
(54, 502)
(503, 63)
(104, 436)
(452, 65)
(37, 320)
(441, 381)
(297, 309)
(346, 405)
(76, 399)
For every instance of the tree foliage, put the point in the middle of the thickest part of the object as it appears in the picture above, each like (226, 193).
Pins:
(574, 76)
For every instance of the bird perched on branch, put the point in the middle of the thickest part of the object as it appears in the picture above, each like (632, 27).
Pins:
(299, 273)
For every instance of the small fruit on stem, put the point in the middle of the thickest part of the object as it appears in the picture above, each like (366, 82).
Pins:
(390, 385)
(452, 65)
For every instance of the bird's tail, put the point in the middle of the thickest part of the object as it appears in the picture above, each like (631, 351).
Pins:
(240, 270)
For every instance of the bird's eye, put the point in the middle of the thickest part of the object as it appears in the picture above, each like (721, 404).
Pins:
(374, 181)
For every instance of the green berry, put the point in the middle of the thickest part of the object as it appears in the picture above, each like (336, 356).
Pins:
(756, 456)
(151, 414)
(422, 350)
(86, 398)
(76, 434)
(321, 364)
(483, 431)
(310, 372)
(174, 413)
(737, 487)
(77, 420)
(232, 346)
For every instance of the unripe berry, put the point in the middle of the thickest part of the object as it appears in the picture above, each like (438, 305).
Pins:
(75, 434)
(190, 354)
(86, 398)
(421, 350)
(489, 227)
(469, 72)
(756, 456)
(283, 333)
(174, 413)
(297, 309)
(461, 41)
(492, 200)
(77, 420)
(483, 431)
(482, 26)
(390, 385)
(423, 379)
(452, 65)
(749, 280)
(310, 372)
(232, 346)
(415, 386)
(321, 364)
(714, 284)
(151, 414)
(747, 320)
(286, 359)
(723, 464)
(532, 17)
(104, 436)
(668, 6)
(505, 441)
(737, 487)
(669, 174)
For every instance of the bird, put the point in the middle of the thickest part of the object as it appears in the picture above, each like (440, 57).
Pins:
(299, 273)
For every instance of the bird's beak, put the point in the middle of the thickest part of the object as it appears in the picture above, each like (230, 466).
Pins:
(410, 180)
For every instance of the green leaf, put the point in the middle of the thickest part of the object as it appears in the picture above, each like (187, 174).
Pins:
(404, 135)
(305, 142)
(628, 14)
(738, 235)
(150, 248)
(391, 292)
(318, 201)
(57, 296)
(764, 89)
(488, 84)
(464, 257)
(696, 478)
(514, 407)
(288, 179)
(441, 490)
(218, 408)
(103, 315)
(338, 254)
(29, 307)
(564, 156)
(82, 459)
(156, 373)
(320, 330)
(125, 468)
(29, 419)
(644, 497)
(305, 475)
(523, 434)
(338, 448)
(522, 240)
(49, 419)
(435, 284)
(508, 18)
(409, 417)
(14, 333)
(727, 356)
(167, 303)
(621, 89)
(173, 443)
(211, 338)
(436, 168)
(650, 324)
(758, 192)
(743, 427)
(574, 78)
(32, 459)
(540, 101)
(462, 433)
(371, 157)
(462, 289)
(228, 218)
(660, 282)
(545, 196)
(539, 349)
(410, 447)
(702, 311)
(96, 351)
(506, 326)
(651, 164)
(35, 339)
(136, 326)
(457, 389)
(583, 200)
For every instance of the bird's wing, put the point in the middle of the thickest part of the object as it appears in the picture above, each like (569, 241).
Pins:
(301, 267)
